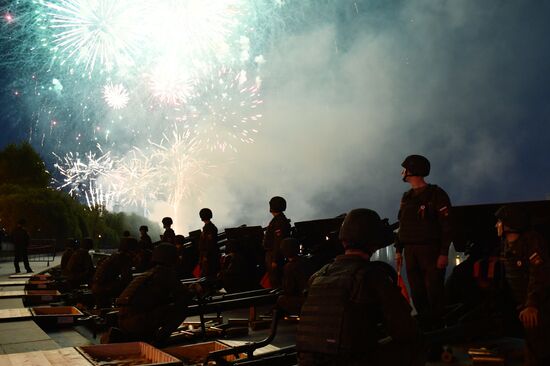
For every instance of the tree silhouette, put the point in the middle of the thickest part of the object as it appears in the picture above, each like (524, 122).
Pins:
(21, 165)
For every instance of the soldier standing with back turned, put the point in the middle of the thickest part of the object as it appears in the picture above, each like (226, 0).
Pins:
(169, 235)
(425, 237)
(354, 313)
(209, 251)
(277, 230)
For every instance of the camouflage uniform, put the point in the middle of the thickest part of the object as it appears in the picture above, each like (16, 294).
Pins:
(296, 274)
(425, 234)
(153, 305)
(209, 251)
(527, 270)
(67, 254)
(277, 230)
(80, 268)
(111, 277)
(340, 322)
(236, 274)
(145, 242)
(169, 236)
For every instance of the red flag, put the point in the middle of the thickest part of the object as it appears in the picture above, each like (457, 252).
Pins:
(265, 283)
(401, 284)
(197, 271)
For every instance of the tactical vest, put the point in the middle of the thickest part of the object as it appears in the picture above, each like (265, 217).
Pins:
(332, 320)
(109, 269)
(418, 221)
(138, 292)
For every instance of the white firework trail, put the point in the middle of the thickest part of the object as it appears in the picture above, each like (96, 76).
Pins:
(79, 171)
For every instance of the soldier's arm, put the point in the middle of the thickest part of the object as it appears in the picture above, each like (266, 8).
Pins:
(443, 207)
(398, 245)
(539, 271)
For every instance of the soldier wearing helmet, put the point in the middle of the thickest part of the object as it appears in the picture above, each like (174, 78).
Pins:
(527, 271)
(296, 273)
(80, 267)
(169, 234)
(145, 241)
(348, 299)
(153, 305)
(114, 273)
(209, 251)
(424, 236)
(277, 230)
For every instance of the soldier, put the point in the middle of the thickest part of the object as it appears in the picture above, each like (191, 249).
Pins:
(70, 248)
(21, 241)
(296, 273)
(527, 272)
(153, 305)
(169, 234)
(348, 299)
(114, 273)
(209, 252)
(277, 230)
(425, 235)
(144, 238)
(80, 267)
(236, 273)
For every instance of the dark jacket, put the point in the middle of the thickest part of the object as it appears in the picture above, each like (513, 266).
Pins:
(527, 267)
(277, 230)
(20, 237)
(80, 268)
(208, 240)
(351, 305)
(424, 218)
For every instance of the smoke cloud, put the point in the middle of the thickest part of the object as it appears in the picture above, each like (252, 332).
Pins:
(347, 98)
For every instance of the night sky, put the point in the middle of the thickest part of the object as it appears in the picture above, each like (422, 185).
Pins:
(348, 89)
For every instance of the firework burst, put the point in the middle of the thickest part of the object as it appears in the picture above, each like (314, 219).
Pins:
(94, 33)
(116, 96)
(179, 166)
(226, 113)
(79, 171)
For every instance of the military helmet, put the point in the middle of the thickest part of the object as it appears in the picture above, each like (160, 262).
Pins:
(416, 165)
(143, 228)
(179, 239)
(167, 221)
(513, 217)
(165, 253)
(277, 204)
(290, 247)
(205, 214)
(362, 229)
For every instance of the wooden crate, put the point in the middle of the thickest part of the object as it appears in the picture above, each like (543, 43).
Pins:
(196, 354)
(56, 316)
(134, 353)
(34, 297)
(40, 285)
(57, 357)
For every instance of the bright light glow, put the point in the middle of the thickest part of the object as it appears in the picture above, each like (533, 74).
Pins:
(116, 96)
